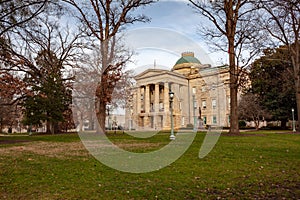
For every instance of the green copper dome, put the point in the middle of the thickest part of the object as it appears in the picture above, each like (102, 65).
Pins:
(186, 61)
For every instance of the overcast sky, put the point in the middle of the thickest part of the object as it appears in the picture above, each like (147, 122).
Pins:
(172, 30)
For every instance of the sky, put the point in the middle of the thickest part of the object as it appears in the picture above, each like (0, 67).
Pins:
(172, 30)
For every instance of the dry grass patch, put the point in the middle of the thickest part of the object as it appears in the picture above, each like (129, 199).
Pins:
(50, 149)
(69, 149)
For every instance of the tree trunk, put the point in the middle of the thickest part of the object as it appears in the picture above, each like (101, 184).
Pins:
(256, 122)
(283, 123)
(298, 103)
(231, 22)
(1, 125)
(90, 116)
(101, 115)
(48, 127)
(234, 121)
(294, 50)
(296, 64)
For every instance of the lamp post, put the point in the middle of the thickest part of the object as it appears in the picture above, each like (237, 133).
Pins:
(294, 128)
(30, 127)
(194, 107)
(171, 95)
(108, 118)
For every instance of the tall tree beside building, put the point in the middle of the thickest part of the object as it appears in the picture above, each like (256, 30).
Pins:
(271, 81)
(282, 21)
(104, 20)
(232, 31)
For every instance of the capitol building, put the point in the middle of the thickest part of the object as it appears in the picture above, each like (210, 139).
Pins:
(201, 96)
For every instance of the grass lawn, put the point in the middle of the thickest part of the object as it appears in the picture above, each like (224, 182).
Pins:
(263, 165)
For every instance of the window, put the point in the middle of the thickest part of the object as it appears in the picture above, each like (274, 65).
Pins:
(203, 88)
(195, 104)
(161, 106)
(203, 104)
(214, 103)
(204, 119)
(180, 105)
(228, 100)
(214, 86)
(214, 119)
(193, 90)
(182, 121)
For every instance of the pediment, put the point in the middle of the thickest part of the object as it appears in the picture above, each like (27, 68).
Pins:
(156, 73)
(153, 76)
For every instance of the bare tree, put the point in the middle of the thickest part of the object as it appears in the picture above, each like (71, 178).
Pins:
(251, 110)
(282, 21)
(44, 39)
(15, 13)
(11, 87)
(104, 20)
(87, 78)
(232, 31)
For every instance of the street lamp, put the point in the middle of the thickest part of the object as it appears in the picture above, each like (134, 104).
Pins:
(108, 118)
(171, 95)
(30, 127)
(294, 128)
(194, 107)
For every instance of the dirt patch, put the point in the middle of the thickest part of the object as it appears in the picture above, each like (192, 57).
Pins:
(243, 134)
(289, 133)
(65, 150)
(13, 141)
(50, 149)
(138, 145)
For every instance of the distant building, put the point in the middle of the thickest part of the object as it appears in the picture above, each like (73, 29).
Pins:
(201, 95)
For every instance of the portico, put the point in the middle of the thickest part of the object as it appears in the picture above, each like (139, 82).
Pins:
(152, 103)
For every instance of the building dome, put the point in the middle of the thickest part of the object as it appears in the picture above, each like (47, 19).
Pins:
(186, 61)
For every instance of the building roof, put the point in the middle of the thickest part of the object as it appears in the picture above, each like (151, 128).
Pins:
(186, 61)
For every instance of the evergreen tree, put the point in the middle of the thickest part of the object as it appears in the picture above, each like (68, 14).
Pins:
(50, 98)
(271, 79)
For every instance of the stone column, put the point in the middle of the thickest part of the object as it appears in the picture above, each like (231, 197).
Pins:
(138, 100)
(156, 98)
(166, 97)
(147, 107)
(147, 99)
(138, 107)
(166, 120)
(156, 106)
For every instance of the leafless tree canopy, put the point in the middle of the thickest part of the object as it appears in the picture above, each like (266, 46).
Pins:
(282, 21)
(233, 30)
(251, 110)
(103, 22)
(15, 13)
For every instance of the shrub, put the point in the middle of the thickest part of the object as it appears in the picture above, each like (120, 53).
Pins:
(190, 126)
(242, 124)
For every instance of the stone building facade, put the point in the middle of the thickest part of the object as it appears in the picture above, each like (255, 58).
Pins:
(201, 96)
